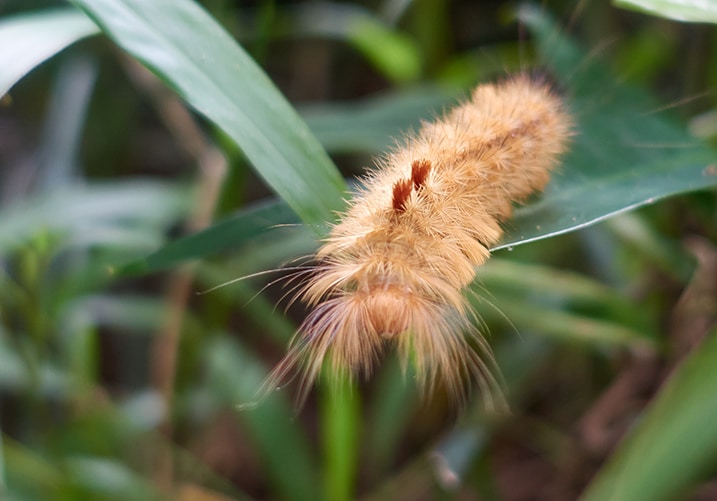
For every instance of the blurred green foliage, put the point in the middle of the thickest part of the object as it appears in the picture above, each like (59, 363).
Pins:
(121, 377)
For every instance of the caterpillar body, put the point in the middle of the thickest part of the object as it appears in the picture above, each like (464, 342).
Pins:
(394, 269)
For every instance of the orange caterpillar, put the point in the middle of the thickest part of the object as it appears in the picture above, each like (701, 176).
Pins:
(394, 269)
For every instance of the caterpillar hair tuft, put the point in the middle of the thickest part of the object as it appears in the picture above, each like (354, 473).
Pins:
(394, 269)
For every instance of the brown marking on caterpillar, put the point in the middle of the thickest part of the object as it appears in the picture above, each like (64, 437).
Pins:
(401, 194)
(419, 172)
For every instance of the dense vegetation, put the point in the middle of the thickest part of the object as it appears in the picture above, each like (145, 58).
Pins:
(147, 158)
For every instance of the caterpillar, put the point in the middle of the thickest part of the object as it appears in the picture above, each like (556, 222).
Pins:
(395, 268)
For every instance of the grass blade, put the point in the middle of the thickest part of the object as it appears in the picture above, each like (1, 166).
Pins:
(675, 440)
(27, 40)
(680, 10)
(192, 54)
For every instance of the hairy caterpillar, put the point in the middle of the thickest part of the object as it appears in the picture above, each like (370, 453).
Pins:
(395, 267)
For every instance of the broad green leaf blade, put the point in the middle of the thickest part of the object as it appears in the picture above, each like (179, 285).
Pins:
(571, 206)
(186, 47)
(674, 442)
(27, 40)
(623, 156)
(696, 11)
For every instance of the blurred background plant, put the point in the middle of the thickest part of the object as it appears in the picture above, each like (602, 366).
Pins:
(126, 192)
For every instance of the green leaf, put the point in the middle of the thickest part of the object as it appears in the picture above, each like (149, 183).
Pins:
(341, 429)
(673, 443)
(623, 155)
(27, 40)
(108, 478)
(29, 475)
(91, 212)
(558, 309)
(34, 475)
(572, 327)
(395, 54)
(188, 49)
(224, 236)
(696, 11)
(559, 304)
